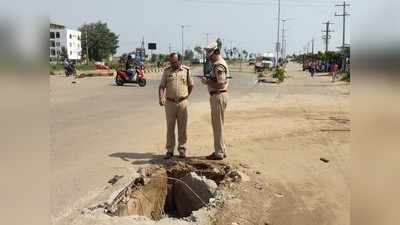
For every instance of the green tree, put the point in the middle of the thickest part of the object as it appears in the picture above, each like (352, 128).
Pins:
(219, 43)
(63, 53)
(102, 42)
(198, 50)
(245, 53)
(189, 54)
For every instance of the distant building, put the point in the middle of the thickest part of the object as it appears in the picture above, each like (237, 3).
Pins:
(64, 40)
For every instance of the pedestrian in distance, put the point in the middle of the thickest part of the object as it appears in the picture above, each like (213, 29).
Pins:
(334, 71)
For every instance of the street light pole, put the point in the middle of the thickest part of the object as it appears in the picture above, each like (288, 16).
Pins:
(86, 43)
(207, 34)
(283, 38)
(182, 53)
(277, 38)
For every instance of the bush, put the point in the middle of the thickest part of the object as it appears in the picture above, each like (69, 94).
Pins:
(279, 73)
(346, 77)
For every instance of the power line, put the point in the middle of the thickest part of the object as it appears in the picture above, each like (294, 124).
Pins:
(327, 36)
(258, 3)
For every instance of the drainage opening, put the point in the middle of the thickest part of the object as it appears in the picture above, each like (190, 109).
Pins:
(175, 190)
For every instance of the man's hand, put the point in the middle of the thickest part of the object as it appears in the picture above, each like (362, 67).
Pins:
(162, 101)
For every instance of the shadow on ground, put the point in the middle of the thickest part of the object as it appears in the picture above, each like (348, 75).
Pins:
(148, 158)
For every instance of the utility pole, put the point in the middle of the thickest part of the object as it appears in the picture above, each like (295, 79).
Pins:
(86, 43)
(142, 44)
(308, 47)
(327, 36)
(169, 48)
(182, 51)
(207, 34)
(312, 46)
(344, 14)
(277, 38)
(283, 50)
(143, 50)
(182, 26)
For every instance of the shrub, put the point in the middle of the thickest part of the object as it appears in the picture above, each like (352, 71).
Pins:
(346, 77)
(279, 73)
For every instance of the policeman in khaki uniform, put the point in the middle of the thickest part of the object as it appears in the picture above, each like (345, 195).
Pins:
(175, 88)
(217, 83)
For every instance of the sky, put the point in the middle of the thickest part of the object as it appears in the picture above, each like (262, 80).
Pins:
(246, 24)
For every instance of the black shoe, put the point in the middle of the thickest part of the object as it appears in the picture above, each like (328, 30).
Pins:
(182, 152)
(214, 157)
(169, 155)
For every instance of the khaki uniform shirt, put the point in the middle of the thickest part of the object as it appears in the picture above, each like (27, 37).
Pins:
(176, 82)
(219, 71)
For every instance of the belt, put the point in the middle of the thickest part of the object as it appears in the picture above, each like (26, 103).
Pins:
(177, 99)
(217, 92)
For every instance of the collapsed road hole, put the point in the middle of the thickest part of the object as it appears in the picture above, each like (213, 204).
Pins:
(174, 190)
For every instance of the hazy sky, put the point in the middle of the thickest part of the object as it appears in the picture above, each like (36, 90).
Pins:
(249, 24)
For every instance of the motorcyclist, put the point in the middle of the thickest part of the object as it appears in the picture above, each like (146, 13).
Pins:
(128, 67)
(66, 66)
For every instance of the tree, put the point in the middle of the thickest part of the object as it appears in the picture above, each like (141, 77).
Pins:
(189, 54)
(198, 50)
(123, 58)
(219, 43)
(101, 41)
(245, 53)
(63, 54)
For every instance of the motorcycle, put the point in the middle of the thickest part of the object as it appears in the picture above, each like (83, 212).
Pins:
(70, 70)
(123, 77)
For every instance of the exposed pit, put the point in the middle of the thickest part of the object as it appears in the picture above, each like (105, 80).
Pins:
(173, 190)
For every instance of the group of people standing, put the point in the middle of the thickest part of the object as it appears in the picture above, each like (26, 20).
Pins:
(333, 68)
(174, 91)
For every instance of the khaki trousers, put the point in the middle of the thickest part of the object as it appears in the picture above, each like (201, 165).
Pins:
(176, 113)
(218, 103)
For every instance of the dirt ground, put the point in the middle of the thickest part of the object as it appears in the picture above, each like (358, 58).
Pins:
(295, 137)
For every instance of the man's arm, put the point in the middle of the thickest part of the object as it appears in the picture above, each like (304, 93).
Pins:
(220, 78)
(161, 96)
(161, 89)
(190, 82)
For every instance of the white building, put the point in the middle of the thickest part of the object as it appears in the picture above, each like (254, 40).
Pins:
(61, 37)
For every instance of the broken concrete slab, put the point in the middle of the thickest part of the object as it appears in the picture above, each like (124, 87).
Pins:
(185, 200)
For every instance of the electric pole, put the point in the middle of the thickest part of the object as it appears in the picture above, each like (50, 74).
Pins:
(142, 44)
(277, 38)
(283, 50)
(207, 34)
(327, 36)
(86, 43)
(344, 14)
(312, 46)
(182, 51)
(182, 26)
(169, 48)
